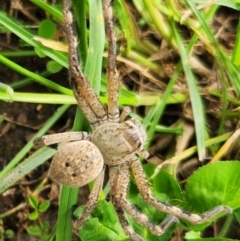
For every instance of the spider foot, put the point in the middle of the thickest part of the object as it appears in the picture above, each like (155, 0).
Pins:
(135, 237)
(212, 213)
(77, 224)
(80, 216)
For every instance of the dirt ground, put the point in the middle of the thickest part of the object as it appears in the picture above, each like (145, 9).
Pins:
(22, 121)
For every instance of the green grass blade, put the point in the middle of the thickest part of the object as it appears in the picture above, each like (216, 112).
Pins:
(197, 106)
(93, 67)
(56, 13)
(38, 158)
(34, 76)
(64, 221)
(80, 17)
(38, 98)
(154, 114)
(159, 20)
(236, 50)
(134, 100)
(231, 4)
(26, 81)
(19, 53)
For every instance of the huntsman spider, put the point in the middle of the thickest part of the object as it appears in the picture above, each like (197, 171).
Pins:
(115, 141)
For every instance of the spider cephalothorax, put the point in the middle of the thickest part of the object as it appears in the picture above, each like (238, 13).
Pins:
(115, 142)
(119, 141)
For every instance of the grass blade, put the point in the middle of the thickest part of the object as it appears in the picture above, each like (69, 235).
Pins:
(197, 106)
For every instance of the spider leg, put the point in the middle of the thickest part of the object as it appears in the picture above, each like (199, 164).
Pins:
(112, 73)
(126, 227)
(48, 140)
(92, 201)
(119, 199)
(83, 92)
(146, 193)
(113, 172)
(212, 213)
(125, 112)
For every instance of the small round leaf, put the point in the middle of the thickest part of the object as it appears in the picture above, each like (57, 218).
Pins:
(53, 67)
(34, 230)
(44, 206)
(9, 233)
(34, 215)
(47, 29)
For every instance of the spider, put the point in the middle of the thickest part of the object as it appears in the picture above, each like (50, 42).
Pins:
(115, 141)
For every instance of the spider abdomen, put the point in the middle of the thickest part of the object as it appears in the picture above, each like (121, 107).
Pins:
(76, 164)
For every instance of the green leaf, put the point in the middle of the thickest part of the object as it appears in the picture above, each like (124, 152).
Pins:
(9, 233)
(47, 29)
(165, 183)
(39, 53)
(45, 226)
(212, 185)
(191, 235)
(44, 206)
(54, 67)
(78, 211)
(106, 225)
(107, 216)
(34, 230)
(34, 215)
(33, 202)
(98, 232)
